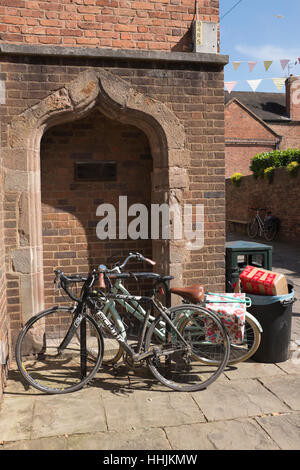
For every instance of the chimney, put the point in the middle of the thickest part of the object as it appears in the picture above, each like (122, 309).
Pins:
(292, 97)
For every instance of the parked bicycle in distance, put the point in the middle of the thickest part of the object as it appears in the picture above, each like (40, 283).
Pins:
(267, 227)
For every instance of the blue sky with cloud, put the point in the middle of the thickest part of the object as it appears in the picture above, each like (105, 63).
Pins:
(258, 30)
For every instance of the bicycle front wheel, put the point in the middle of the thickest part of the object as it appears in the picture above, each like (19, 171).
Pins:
(181, 365)
(46, 368)
(252, 228)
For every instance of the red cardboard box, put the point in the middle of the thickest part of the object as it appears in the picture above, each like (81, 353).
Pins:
(262, 282)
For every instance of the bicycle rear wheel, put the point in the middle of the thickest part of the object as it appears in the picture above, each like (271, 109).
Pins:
(51, 371)
(238, 352)
(270, 230)
(180, 367)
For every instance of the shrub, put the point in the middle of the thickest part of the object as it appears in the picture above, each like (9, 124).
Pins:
(269, 173)
(293, 168)
(277, 158)
(236, 179)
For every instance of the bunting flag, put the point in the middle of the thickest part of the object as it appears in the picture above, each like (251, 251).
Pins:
(267, 64)
(236, 65)
(251, 65)
(279, 82)
(284, 63)
(230, 86)
(254, 84)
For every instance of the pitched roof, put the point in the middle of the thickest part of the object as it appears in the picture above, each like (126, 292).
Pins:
(267, 106)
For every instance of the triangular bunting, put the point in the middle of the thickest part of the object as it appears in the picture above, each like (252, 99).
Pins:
(254, 84)
(251, 65)
(236, 65)
(284, 63)
(279, 82)
(267, 64)
(230, 86)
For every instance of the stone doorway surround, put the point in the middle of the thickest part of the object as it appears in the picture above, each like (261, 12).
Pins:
(117, 100)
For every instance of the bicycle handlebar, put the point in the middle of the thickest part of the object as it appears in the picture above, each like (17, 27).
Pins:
(61, 278)
(258, 208)
(105, 273)
(138, 257)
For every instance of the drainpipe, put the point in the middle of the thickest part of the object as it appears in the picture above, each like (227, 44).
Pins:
(278, 143)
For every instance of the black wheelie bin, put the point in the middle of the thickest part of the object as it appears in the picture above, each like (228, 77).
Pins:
(274, 313)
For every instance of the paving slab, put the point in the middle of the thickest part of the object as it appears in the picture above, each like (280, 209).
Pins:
(292, 366)
(142, 439)
(239, 434)
(47, 443)
(237, 399)
(286, 390)
(16, 418)
(283, 429)
(57, 415)
(16, 385)
(150, 409)
(251, 370)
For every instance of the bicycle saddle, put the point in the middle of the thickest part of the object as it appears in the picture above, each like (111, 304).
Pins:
(194, 293)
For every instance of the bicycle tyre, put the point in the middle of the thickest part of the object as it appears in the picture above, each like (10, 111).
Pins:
(252, 228)
(270, 231)
(37, 358)
(242, 352)
(178, 374)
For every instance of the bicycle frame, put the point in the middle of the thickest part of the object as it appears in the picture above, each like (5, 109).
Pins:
(134, 308)
(260, 223)
(136, 356)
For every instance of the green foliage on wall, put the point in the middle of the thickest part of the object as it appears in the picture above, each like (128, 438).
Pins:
(277, 158)
(236, 179)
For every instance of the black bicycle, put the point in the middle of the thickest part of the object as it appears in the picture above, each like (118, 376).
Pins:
(269, 226)
(52, 350)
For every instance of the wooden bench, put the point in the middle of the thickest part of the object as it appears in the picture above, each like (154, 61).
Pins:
(234, 222)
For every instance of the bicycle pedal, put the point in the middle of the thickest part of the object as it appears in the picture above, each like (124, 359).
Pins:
(118, 365)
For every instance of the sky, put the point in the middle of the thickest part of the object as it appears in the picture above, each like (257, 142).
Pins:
(260, 30)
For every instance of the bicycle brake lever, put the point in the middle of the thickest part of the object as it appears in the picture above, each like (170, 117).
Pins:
(58, 285)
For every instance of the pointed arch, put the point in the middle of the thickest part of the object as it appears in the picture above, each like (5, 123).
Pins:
(118, 100)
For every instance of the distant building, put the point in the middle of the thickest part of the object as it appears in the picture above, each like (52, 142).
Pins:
(260, 122)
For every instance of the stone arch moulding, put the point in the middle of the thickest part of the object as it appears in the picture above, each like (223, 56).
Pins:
(117, 100)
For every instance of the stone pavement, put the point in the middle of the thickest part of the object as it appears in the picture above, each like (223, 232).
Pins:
(251, 406)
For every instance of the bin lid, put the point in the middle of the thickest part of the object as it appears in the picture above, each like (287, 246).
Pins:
(271, 299)
(242, 245)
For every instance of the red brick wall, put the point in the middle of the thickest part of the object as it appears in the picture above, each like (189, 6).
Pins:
(238, 157)
(130, 24)
(281, 197)
(69, 206)
(246, 132)
(290, 133)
